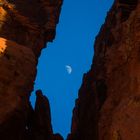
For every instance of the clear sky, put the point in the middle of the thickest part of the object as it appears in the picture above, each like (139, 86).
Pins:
(79, 23)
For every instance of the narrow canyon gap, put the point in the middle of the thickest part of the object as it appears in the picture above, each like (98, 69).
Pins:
(108, 103)
(79, 23)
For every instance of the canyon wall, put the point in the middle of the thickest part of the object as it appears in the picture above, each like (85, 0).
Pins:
(25, 28)
(108, 104)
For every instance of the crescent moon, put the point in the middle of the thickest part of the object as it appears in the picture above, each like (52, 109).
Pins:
(69, 69)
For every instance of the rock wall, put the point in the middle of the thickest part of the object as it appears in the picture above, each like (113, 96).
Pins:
(108, 106)
(25, 28)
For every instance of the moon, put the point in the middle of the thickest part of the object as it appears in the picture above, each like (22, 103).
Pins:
(69, 69)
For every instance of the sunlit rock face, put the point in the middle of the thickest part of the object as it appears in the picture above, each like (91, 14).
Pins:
(108, 106)
(25, 27)
(31, 23)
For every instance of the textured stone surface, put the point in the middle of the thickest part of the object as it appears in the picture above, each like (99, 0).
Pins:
(108, 106)
(25, 28)
(17, 72)
(31, 23)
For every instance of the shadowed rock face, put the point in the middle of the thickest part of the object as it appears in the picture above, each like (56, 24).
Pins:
(108, 106)
(25, 28)
(39, 127)
(42, 129)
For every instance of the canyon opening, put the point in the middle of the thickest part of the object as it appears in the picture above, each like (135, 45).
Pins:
(69, 69)
(78, 26)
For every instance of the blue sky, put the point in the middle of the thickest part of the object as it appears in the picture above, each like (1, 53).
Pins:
(79, 23)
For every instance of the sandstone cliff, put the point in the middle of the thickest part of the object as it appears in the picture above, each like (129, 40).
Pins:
(108, 106)
(25, 28)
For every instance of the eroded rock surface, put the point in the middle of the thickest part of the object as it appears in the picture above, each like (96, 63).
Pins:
(108, 106)
(25, 28)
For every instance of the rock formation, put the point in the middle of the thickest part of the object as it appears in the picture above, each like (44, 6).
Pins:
(25, 28)
(39, 125)
(108, 106)
(41, 122)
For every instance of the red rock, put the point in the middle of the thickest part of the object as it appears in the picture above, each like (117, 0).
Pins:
(108, 106)
(24, 31)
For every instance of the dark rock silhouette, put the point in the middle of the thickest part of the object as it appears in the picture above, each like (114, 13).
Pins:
(57, 137)
(40, 126)
(41, 129)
